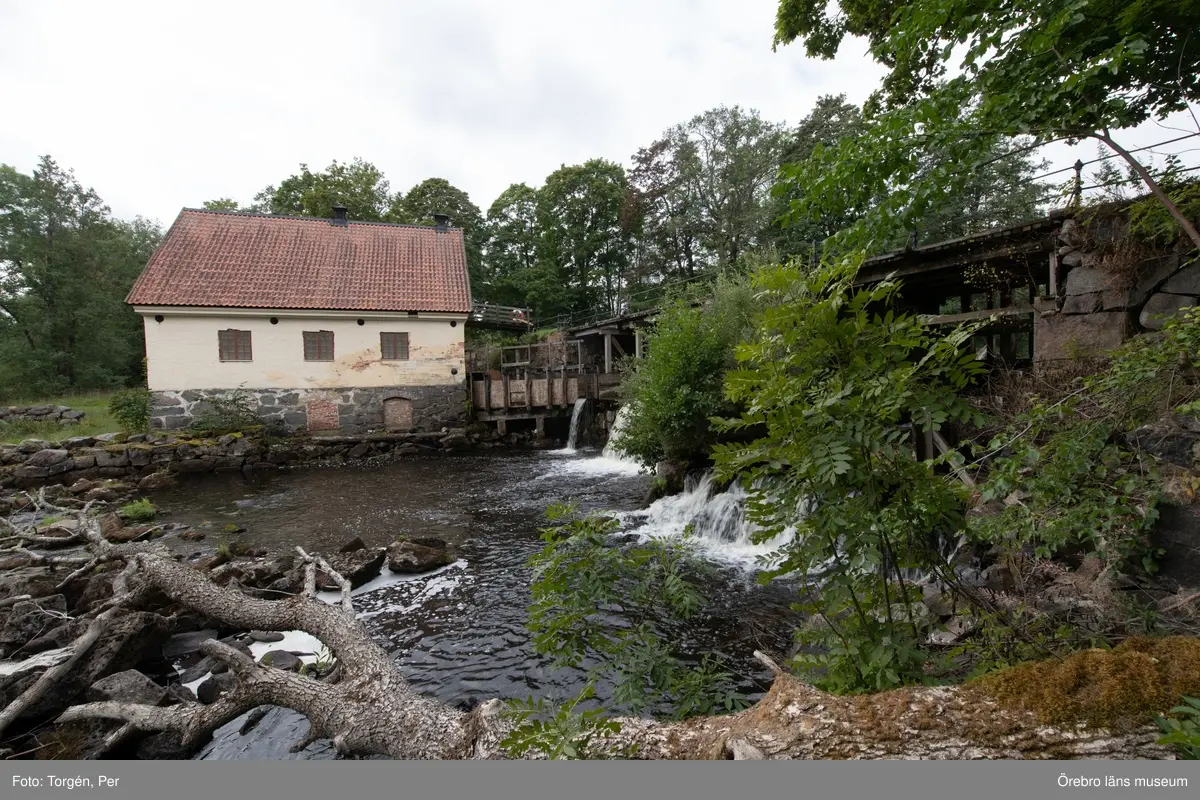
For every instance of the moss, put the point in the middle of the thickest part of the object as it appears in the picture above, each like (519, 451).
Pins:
(230, 527)
(1120, 688)
(116, 448)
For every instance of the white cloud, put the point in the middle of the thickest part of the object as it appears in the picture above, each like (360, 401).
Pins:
(164, 105)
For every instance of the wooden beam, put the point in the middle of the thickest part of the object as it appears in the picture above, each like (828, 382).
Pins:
(637, 343)
(987, 313)
(608, 340)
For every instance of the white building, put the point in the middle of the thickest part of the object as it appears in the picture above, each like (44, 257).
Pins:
(329, 323)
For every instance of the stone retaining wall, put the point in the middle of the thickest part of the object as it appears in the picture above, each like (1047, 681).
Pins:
(63, 415)
(347, 410)
(146, 457)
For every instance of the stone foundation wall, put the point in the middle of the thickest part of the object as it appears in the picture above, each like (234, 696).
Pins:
(63, 415)
(349, 411)
(1110, 289)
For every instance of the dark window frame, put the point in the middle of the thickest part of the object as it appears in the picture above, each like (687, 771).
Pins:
(394, 345)
(234, 345)
(318, 345)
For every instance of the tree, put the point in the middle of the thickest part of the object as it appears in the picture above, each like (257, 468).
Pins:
(727, 160)
(65, 269)
(359, 186)
(221, 204)
(583, 250)
(666, 213)
(1056, 69)
(438, 196)
(512, 245)
(831, 120)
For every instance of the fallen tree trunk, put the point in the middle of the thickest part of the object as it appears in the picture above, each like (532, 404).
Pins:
(373, 710)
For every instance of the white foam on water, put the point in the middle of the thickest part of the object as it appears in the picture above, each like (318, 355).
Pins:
(717, 521)
(297, 642)
(610, 461)
(194, 685)
(47, 658)
(385, 579)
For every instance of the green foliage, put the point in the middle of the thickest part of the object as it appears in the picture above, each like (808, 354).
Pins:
(583, 248)
(556, 731)
(1073, 478)
(964, 74)
(594, 598)
(675, 390)
(229, 412)
(67, 268)
(512, 246)
(139, 510)
(1183, 731)
(131, 408)
(358, 186)
(826, 383)
(999, 641)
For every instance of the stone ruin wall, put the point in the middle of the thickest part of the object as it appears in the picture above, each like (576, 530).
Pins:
(1110, 289)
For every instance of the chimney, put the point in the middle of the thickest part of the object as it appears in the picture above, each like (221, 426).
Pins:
(339, 216)
(442, 221)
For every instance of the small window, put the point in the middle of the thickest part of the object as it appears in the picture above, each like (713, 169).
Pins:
(394, 346)
(234, 345)
(318, 345)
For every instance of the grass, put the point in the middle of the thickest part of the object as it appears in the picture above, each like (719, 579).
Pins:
(139, 510)
(96, 418)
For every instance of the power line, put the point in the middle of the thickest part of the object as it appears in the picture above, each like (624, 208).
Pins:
(1082, 164)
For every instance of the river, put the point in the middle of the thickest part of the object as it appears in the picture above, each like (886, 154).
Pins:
(458, 634)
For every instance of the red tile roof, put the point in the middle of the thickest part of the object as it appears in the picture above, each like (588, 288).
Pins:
(232, 259)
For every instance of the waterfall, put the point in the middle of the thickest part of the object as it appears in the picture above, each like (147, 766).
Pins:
(576, 415)
(614, 435)
(715, 520)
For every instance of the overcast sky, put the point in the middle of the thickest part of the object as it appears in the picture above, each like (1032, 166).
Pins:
(162, 105)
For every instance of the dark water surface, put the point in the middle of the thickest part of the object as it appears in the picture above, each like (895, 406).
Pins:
(459, 634)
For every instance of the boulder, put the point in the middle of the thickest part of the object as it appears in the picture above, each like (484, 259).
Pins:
(1158, 309)
(672, 474)
(101, 494)
(282, 659)
(128, 686)
(82, 485)
(411, 557)
(357, 567)
(128, 640)
(266, 636)
(1084, 303)
(209, 691)
(359, 450)
(155, 481)
(32, 445)
(353, 545)
(28, 619)
(166, 746)
(182, 644)
(1186, 281)
(110, 526)
(1064, 336)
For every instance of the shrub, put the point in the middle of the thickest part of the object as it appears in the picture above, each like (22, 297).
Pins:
(131, 409)
(678, 386)
(1184, 730)
(139, 510)
(829, 382)
(1080, 479)
(580, 578)
(226, 413)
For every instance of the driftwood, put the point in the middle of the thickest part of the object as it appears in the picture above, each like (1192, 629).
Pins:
(369, 708)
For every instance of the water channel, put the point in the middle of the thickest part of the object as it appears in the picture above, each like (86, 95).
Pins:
(458, 634)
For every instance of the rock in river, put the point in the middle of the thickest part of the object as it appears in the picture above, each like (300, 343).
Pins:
(411, 557)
